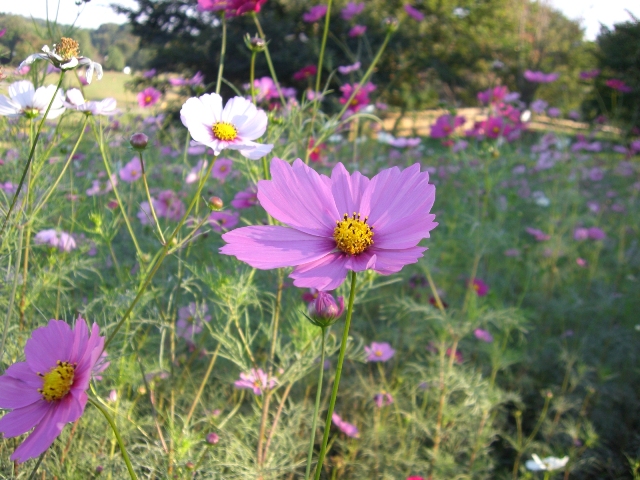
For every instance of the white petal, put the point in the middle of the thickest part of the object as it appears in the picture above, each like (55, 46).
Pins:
(254, 127)
(8, 107)
(32, 58)
(238, 107)
(70, 64)
(22, 93)
(74, 95)
(46, 49)
(257, 151)
(89, 73)
(98, 70)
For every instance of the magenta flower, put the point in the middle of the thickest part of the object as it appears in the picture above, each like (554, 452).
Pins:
(618, 85)
(212, 438)
(167, 205)
(191, 319)
(539, 235)
(351, 10)
(360, 100)
(445, 125)
(589, 74)
(596, 234)
(323, 310)
(417, 15)
(246, 198)
(149, 73)
(221, 169)
(581, 234)
(383, 399)
(345, 70)
(493, 95)
(255, 380)
(232, 8)
(480, 287)
(315, 13)
(347, 428)
(357, 31)
(493, 127)
(223, 220)
(132, 171)
(56, 239)
(483, 335)
(148, 97)
(305, 72)
(346, 222)
(540, 77)
(49, 389)
(379, 352)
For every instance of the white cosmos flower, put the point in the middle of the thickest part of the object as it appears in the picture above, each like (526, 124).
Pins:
(65, 56)
(76, 101)
(234, 127)
(24, 100)
(549, 463)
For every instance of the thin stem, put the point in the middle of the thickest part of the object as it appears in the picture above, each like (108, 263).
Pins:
(268, 57)
(12, 298)
(214, 357)
(336, 383)
(322, 46)
(32, 151)
(43, 202)
(223, 51)
(316, 409)
(146, 189)
(37, 465)
(118, 437)
(252, 76)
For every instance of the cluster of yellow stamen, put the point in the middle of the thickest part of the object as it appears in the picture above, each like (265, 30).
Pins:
(225, 131)
(67, 48)
(352, 235)
(58, 381)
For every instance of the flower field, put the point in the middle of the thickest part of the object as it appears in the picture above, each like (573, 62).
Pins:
(258, 281)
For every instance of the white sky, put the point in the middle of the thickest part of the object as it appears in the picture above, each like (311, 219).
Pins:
(97, 12)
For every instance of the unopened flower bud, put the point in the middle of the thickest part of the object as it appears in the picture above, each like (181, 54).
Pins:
(216, 203)
(324, 310)
(139, 141)
(390, 24)
(213, 438)
(190, 465)
(255, 44)
(99, 469)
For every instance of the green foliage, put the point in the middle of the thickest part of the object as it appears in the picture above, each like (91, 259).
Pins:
(114, 60)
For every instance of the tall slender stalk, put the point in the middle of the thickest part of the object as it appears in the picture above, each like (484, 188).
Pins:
(327, 17)
(316, 409)
(151, 207)
(267, 55)
(336, 382)
(223, 51)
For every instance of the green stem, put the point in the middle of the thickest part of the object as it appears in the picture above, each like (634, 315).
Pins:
(223, 51)
(336, 383)
(160, 256)
(268, 57)
(316, 409)
(43, 202)
(252, 76)
(31, 153)
(146, 189)
(118, 437)
(37, 465)
(322, 47)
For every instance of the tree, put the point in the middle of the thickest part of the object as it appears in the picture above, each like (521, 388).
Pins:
(114, 59)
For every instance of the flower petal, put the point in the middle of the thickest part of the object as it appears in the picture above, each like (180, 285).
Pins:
(200, 114)
(299, 197)
(255, 151)
(392, 261)
(22, 420)
(22, 372)
(47, 345)
(16, 394)
(267, 247)
(9, 107)
(347, 190)
(254, 127)
(327, 273)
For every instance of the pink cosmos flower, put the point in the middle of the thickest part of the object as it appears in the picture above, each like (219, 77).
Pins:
(618, 85)
(315, 13)
(305, 72)
(255, 380)
(213, 438)
(191, 319)
(56, 239)
(132, 171)
(383, 399)
(493, 95)
(483, 335)
(265, 89)
(167, 205)
(540, 77)
(324, 309)
(223, 220)
(99, 187)
(148, 97)
(346, 222)
(539, 235)
(232, 8)
(493, 127)
(445, 125)
(149, 73)
(480, 287)
(379, 352)
(357, 31)
(415, 478)
(235, 126)
(351, 10)
(246, 198)
(221, 169)
(581, 234)
(196, 172)
(417, 15)
(345, 70)
(360, 100)
(581, 262)
(596, 233)
(589, 74)
(49, 389)
(349, 429)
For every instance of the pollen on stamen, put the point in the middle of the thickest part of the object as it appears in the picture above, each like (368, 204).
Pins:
(353, 235)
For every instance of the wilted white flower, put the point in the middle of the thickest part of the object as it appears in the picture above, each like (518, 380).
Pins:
(65, 55)
(549, 463)
(25, 100)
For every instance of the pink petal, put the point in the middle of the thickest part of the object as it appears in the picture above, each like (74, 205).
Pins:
(299, 197)
(347, 190)
(93, 350)
(22, 372)
(65, 411)
(24, 419)
(327, 273)
(364, 261)
(17, 394)
(47, 345)
(267, 247)
(392, 261)
(80, 338)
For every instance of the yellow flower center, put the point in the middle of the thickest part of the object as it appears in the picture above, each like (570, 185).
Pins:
(67, 48)
(148, 99)
(225, 131)
(378, 353)
(352, 235)
(58, 381)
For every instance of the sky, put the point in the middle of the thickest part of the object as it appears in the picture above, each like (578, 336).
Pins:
(97, 12)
